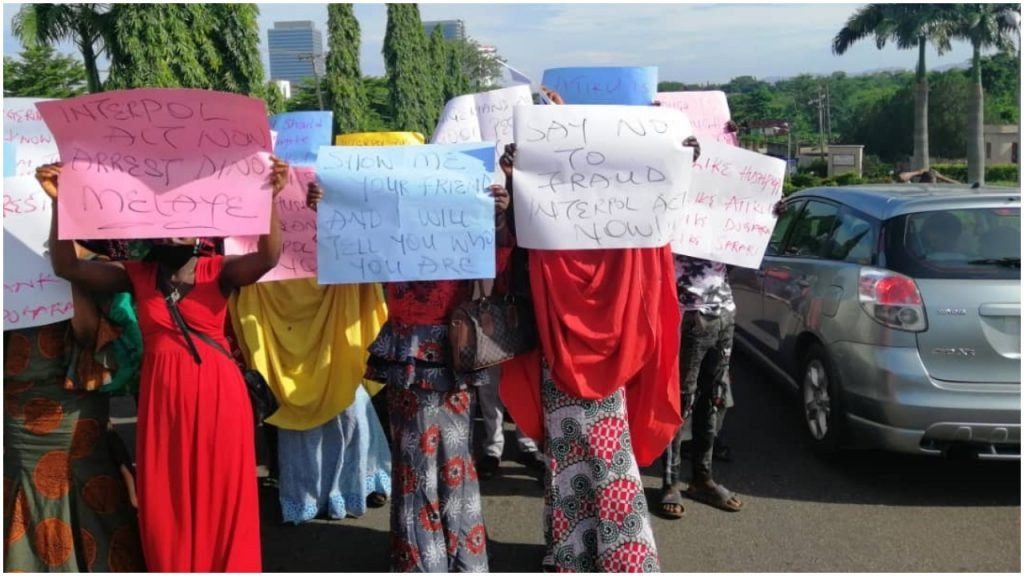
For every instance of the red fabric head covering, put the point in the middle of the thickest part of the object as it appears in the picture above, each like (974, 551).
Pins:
(607, 319)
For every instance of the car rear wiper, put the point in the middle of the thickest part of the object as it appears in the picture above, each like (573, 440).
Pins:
(1008, 262)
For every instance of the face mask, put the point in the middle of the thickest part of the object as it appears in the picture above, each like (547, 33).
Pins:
(171, 255)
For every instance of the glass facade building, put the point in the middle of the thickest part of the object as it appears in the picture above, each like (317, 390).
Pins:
(294, 48)
(451, 29)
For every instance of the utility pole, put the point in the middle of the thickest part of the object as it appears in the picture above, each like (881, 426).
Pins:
(828, 112)
(316, 59)
(821, 123)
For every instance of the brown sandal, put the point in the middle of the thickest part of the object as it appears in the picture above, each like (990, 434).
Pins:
(671, 504)
(716, 496)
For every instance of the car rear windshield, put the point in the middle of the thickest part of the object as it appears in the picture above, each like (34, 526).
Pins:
(961, 243)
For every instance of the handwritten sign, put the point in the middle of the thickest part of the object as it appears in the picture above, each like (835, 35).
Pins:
(24, 128)
(595, 177)
(298, 229)
(604, 85)
(379, 139)
(708, 113)
(405, 213)
(728, 212)
(300, 135)
(483, 117)
(10, 160)
(33, 294)
(156, 163)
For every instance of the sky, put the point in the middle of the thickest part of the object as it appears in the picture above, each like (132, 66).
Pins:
(693, 43)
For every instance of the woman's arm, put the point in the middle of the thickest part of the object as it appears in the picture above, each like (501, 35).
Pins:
(85, 322)
(105, 277)
(241, 271)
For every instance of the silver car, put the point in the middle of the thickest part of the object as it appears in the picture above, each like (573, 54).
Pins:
(895, 313)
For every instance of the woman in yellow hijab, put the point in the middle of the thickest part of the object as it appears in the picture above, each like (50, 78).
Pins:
(310, 342)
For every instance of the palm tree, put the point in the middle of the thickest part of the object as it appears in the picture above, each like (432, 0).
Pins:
(909, 26)
(984, 26)
(87, 25)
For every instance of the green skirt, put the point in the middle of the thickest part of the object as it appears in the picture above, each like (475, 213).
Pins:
(66, 506)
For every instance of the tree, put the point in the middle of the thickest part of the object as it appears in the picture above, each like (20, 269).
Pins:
(410, 82)
(908, 25)
(481, 67)
(304, 96)
(343, 78)
(208, 46)
(162, 46)
(439, 64)
(275, 100)
(88, 26)
(42, 73)
(235, 36)
(456, 79)
(379, 118)
(984, 26)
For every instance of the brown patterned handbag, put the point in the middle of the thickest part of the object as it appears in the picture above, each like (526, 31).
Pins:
(490, 330)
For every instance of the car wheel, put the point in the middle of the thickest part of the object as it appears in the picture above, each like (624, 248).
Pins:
(823, 413)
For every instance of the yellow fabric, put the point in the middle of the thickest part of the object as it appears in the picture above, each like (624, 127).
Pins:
(379, 139)
(310, 342)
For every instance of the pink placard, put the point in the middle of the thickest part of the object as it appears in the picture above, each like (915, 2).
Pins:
(158, 163)
(708, 112)
(298, 227)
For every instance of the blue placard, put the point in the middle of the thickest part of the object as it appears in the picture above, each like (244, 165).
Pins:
(10, 160)
(633, 85)
(401, 213)
(300, 135)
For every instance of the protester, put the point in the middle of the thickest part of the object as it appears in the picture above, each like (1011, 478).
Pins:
(310, 342)
(492, 411)
(436, 514)
(67, 492)
(198, 502)
(709, 320)
(608, 326)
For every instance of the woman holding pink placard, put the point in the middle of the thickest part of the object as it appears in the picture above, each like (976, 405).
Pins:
(197, 492)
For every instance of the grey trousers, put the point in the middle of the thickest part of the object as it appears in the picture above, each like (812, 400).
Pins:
(704, 357)
(493, 413)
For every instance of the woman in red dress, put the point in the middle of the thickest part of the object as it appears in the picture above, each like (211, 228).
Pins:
(197, 487)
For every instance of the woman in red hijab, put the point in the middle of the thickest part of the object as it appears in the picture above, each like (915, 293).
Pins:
(602, 392)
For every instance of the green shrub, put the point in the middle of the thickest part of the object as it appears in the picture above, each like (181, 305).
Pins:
(1001, 173)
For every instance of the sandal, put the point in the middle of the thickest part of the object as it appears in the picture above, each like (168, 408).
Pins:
(716, 496)
(376, 500)
(671, 503)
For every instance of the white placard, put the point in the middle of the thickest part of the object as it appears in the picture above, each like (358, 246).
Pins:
(24, 127)
(483, 117)
(597, 177)
(33, 294)
(728, 214)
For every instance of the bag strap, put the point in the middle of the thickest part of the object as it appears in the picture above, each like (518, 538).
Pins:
(164, 284)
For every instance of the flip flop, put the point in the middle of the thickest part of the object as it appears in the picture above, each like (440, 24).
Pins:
(376, 500)
(670, 497)
(716, 496)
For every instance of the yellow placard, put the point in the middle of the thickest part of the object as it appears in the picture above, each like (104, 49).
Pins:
(379, 139)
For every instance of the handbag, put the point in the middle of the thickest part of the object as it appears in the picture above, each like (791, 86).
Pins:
(263, 401)
(490, 330)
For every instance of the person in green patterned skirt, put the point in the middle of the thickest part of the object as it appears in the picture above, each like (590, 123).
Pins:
(67, 503)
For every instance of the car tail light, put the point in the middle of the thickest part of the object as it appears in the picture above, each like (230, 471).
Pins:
(892, 300)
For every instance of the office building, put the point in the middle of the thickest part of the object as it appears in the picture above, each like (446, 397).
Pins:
(295, 47)
(451, 29)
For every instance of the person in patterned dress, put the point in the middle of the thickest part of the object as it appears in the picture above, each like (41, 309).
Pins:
(67, 498)
(602, 393)
(437, 520)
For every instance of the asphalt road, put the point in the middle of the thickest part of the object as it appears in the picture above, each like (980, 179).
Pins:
(864, 511)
